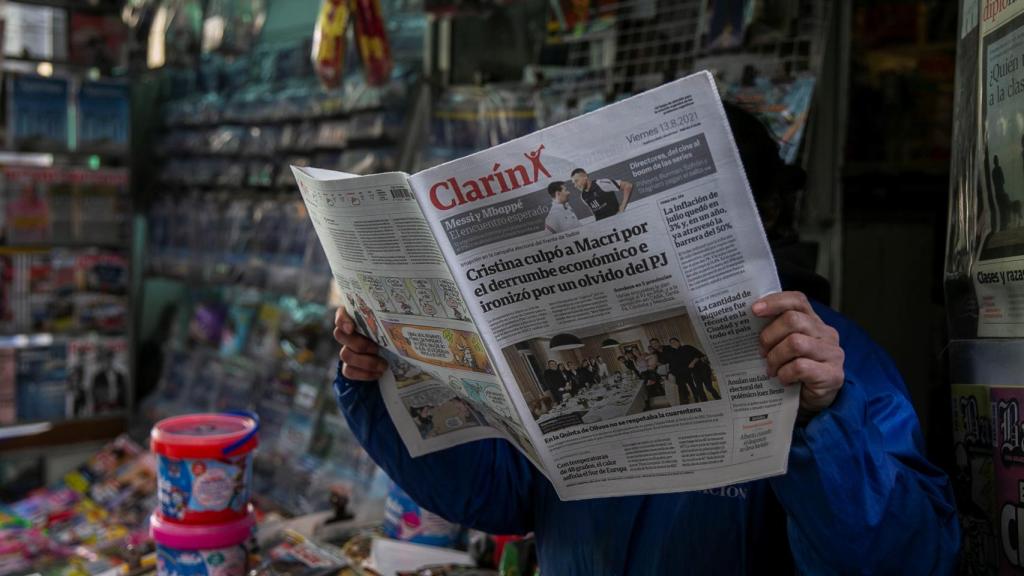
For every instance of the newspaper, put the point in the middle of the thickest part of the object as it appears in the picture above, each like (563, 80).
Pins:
(583, 292)
(998, 270)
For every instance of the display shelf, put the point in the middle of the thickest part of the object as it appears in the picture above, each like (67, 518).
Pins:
(74, 5)
(311, 117)
(23, 64)
(351, 144)
(314, 293)
(49, 434)
(38, 339)
(61, 158)
(59, 68)
(7, 249)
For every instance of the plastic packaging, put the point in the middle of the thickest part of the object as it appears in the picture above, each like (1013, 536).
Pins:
(215, 549)
(329, 42)
(404, 519)
(204, 466)
(372, 42)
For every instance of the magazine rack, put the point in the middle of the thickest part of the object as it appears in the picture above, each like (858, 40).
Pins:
(65, 246)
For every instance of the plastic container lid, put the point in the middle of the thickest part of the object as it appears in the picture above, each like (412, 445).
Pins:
(202, 536)
(213, 435)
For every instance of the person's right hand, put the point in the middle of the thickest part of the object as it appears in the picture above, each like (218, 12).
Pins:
(358, 353)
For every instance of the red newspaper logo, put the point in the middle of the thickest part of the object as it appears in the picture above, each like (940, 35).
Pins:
(450, 193)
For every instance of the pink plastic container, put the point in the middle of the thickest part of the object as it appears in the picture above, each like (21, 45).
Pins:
(204, 467)
(211, 550)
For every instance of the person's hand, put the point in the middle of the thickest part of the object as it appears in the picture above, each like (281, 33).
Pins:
(358, 353)
(801, 348)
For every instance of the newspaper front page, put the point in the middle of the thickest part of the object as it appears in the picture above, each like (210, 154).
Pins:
(609, 264)
(998, 271)
(441, 389)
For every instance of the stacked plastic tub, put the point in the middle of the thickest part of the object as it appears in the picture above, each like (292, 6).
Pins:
(204, 518)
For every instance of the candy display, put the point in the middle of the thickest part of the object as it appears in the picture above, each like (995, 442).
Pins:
(205, 466)
(92, 521)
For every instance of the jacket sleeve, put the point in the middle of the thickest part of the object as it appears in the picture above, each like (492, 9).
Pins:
(485, 484)
(859, 494)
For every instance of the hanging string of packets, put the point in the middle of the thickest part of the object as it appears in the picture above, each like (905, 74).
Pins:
(330, 41)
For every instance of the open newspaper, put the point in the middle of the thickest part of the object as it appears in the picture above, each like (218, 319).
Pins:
(583, 292)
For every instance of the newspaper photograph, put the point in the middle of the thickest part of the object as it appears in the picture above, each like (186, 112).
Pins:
(606, 373)
(607, 266)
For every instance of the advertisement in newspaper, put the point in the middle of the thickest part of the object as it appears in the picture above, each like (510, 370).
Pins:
(998, 273)
(441, 389)
(611, 263)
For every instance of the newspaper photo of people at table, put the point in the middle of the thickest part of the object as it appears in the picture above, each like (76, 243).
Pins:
(609, 372)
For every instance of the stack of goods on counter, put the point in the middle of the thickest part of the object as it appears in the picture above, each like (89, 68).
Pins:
(100, 520)
(94, 522)
(203, 521)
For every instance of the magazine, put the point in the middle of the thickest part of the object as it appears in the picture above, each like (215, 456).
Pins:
(41, 378)
(97, 376)
(583, 292)
(38, 109)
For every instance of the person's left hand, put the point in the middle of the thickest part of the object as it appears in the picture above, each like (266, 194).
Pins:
(801, 349)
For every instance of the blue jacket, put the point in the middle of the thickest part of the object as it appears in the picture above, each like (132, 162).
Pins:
(859, 496)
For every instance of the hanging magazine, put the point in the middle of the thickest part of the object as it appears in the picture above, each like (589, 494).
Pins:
(583, 292)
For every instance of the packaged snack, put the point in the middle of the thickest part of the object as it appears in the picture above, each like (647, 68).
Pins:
(372, 42)
(329, 42)
(404, 519)
(295, 554)
(208, 550)
(204, 466)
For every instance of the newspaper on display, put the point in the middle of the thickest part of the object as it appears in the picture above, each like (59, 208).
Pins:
(583, 292)
(998, 270)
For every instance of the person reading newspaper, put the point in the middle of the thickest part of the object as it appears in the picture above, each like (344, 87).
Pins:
(858, 497)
